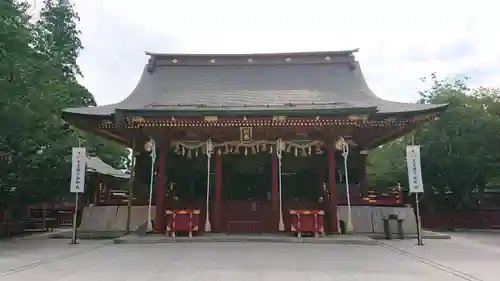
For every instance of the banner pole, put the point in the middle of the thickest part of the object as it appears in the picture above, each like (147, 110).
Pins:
(75, 213)
(75, 218)
(420, 241)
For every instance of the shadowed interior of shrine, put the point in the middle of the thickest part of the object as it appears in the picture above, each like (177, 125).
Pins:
(245, 177)
(246, 188)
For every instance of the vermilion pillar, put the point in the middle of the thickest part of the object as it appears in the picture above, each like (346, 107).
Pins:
(274, 192)
(363, 178)
(334, 226)
(218, 192)
(160, 192)
(321, 181)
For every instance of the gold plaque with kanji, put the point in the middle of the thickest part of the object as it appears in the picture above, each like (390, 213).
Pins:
(245, 134)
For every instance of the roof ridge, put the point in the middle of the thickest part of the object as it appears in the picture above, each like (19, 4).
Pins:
(157, 60)
(264, 54)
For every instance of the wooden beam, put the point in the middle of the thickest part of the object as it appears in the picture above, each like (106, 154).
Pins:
(397, 133)
(259, 133)
(110, 135)
(365, 135)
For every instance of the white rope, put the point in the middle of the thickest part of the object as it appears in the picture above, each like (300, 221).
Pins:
(279, 147)
(208, 228)
(151, 145)
(345, 153)
(191, 148)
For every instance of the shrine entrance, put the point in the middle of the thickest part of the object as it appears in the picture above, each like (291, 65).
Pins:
(246, 193)
(244, 188)
(247, 190)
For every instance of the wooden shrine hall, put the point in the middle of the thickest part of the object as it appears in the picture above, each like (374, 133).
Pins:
(253, 142)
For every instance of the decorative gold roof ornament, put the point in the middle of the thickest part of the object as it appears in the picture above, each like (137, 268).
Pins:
(138, 119)
(211, 118)
(245, 134)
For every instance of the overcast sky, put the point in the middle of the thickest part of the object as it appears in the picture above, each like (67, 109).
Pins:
(399, 41)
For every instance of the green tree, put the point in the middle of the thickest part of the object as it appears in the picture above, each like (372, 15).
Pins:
(38, 78)
(18, 70)
(459, 152)
(386, 164)
(461, 149)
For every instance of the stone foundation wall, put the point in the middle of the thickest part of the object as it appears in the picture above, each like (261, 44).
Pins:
(114, 218)
(366, 219)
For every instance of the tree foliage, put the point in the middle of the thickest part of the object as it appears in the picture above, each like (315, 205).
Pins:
(38, 78)
(460, 154)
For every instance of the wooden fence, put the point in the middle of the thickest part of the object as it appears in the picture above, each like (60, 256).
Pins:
(467, 219)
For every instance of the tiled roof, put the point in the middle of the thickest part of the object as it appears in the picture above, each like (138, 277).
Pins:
(253, 82)
(95, 164)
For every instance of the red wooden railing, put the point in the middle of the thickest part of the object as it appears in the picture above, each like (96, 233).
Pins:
(63, 213)
(394, 197)
(467, 219)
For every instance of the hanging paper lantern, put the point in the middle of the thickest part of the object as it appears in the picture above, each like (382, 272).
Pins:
(341, 144)
(281, 145)
(210, 147)
(149, 145)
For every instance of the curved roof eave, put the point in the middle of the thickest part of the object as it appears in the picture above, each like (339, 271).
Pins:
(390, 108)
(101, 110)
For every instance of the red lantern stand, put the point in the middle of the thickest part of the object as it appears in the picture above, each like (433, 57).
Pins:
(307, 221)
(182, 220)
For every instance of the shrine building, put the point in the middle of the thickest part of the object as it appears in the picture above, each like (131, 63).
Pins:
(252, 142)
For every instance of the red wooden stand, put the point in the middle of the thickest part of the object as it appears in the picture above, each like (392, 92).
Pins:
(307, 221)
(182, 220)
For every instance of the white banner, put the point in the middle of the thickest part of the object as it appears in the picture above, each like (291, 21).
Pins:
(415, 182)
(78, 170)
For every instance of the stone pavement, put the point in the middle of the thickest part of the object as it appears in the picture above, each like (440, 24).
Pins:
(264, 238)
(470, 255)
(29, 251)
(456, 259)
